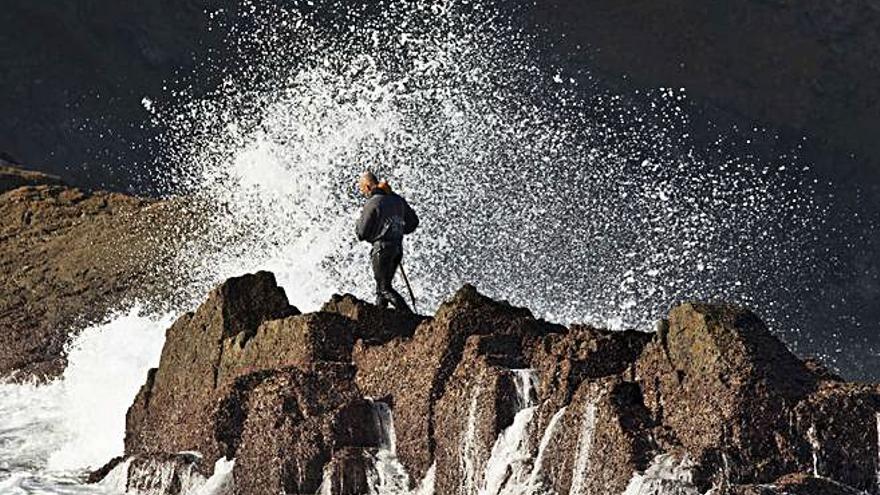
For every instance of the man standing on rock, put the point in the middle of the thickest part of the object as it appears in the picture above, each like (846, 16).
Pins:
(385, 219)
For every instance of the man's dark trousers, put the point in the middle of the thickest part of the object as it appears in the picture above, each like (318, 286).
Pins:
(386, 257)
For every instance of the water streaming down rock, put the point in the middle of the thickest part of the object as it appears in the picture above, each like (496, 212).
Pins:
(178, 476)
(535, 481)
(117, 479)
(444, 103)
(509, 464)
(294, 380)
(385, 475)
(667, 475)
(468, 453)
(222, 481)
(388, 476)
(816, 448)
(584, 448)
(444, 98)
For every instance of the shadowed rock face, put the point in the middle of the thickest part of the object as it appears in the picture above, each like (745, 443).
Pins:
(172, 415)
(842, 419)
(478, 403)
(492, 397)
(294, 341)
(718, 380)
(603, 436)
(13, 178)
(374, 325)
(727, 391)
(797, 484)
(283, 427)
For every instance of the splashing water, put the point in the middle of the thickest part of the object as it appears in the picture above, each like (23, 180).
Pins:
(583, 206)
(666, 475)
(598, 205)
(221, 481)
(116, 480)
(106, 367)
(163, 477)
(50, 433)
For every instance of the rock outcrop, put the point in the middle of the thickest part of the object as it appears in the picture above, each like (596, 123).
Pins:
(485, 398)
(68, 258)
(414, 372)
(13, 178)
(247, 377)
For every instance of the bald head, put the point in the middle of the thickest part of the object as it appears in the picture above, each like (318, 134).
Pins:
(367, 182)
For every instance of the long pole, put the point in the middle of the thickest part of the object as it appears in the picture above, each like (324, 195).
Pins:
(408, 287)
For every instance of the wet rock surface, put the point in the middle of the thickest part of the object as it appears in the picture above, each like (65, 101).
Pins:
(496, 401)
(717, 381)
(414, 372)
(479, 402)
(284, 427)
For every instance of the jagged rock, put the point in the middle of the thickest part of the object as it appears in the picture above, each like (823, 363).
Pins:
(347, 473)
(590, 353)
(479, 401)
(374, 325)
(414, 371)
(841, 423)
(171, 415)
(564, 361)
(668, 474)
(795, 484)
(13, 178)
(162, 474)
(102, 472)
(601, 438)
(246, 377)
(136, 416)
(172, 474)
(283, 427)
(710, 403)
(720, 384)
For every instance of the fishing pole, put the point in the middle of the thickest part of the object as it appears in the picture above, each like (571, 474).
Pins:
(408, 287)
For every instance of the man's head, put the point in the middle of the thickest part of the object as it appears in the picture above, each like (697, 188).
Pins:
(367, 183)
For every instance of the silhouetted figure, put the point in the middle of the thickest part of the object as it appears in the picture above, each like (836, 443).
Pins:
(385, 219)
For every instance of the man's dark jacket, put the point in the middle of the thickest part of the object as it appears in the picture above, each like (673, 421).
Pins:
(386, 217)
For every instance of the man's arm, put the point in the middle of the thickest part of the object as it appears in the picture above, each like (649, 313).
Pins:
(366, 224)
(410, 219)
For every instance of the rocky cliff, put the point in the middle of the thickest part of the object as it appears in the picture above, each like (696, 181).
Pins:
(69, 257)
(483, 397)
